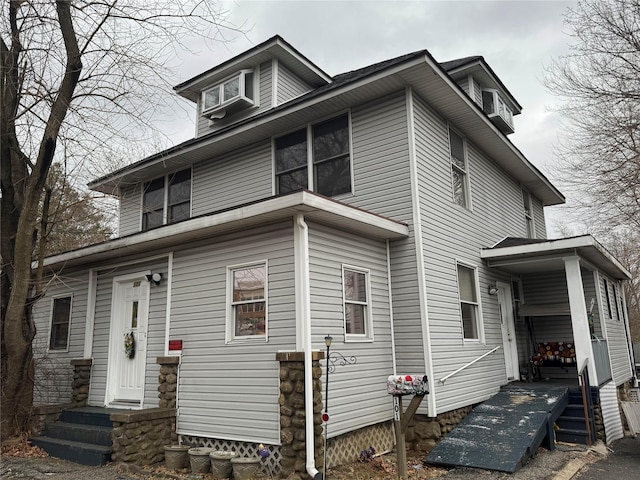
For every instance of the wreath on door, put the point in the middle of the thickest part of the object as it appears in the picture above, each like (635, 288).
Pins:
(129, 345)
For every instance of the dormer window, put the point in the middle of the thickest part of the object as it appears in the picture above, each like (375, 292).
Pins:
(236, 90)
(497, 110)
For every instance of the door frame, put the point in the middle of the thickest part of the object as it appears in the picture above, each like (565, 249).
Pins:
(113, 360)
(509, 346)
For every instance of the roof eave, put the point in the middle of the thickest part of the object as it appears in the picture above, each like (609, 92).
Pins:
(315, 75)
(531, 177)
(315, 207)
(585, 244)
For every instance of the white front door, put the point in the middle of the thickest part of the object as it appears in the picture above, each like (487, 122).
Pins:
(128, 346)
(508, 327)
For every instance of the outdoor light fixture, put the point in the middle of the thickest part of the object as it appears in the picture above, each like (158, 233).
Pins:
(154, 277)
(493, 290)
(327, 341)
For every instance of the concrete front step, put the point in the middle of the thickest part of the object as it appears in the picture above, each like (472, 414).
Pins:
(78, 452)
(79, 432)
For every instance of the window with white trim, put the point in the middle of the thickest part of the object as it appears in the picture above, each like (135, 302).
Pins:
(60, 321)
(528, 214)
(459, 170)
(356, 298)
(247, 301)
(239, 87)
(326, 165)
(469, 308)
(618, 298)
(607, 297)
(166, 199)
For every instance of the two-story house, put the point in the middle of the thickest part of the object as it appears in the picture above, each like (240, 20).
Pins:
(385, 207)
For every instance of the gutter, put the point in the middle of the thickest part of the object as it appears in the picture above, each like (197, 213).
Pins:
(304, 309)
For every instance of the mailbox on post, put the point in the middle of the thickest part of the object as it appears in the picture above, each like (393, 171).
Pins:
(407, 384)
(399, 386)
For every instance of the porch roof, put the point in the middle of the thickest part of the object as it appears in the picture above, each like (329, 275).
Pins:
(524, 255)
(315, 207)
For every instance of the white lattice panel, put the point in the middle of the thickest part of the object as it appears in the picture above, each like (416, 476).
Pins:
(346, 448)
(243, 449)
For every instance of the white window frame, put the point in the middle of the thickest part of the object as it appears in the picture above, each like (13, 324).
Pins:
(477, 305)
(165, 193)
(51, 311)
(230, 335)
(367, 336)
(463, 171)
(242, 93)
(311, 183)
(529, 221)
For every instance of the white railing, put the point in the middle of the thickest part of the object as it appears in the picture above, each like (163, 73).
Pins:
(444, 379)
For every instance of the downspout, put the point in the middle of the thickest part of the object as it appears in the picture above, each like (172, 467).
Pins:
(393, 337)
(302, 279)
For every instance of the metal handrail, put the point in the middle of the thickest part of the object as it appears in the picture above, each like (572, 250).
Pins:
(444, 379)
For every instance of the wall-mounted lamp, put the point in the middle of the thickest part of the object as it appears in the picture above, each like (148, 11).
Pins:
(493, 290)
(154, 277)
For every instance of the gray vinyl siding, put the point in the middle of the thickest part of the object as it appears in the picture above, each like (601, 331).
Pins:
(130, 210)
(237, 178)
(264, 94)
(361, 384)
(53, 371)
(548, 288)
(381, 164)
(477, 94)
(288, 85)
(452, 233)
(102, 325)
(463, 83)
(230, 391)
(616, 335)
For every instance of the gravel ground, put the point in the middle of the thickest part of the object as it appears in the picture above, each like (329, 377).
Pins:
(544, 466)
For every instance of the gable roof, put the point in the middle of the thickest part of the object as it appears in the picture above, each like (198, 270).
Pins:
(418, 71)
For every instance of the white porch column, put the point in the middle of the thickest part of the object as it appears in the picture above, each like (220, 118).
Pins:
(579, 317)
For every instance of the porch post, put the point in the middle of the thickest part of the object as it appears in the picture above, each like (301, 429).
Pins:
(579, 317)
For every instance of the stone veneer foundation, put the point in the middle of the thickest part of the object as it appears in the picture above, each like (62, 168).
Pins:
(292, 412)
(139, 436)
(168, 381)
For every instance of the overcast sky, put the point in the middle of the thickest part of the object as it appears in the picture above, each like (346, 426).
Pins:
(516, 38)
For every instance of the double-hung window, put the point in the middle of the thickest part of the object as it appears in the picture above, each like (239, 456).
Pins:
(325, 167)
(459, 170)
(469, 308)
(60, 320)
(528, 214)
(166, 199)
(247, 301)
(357, 311)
